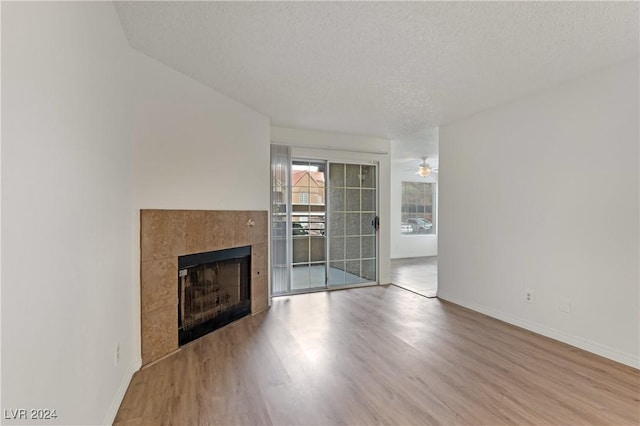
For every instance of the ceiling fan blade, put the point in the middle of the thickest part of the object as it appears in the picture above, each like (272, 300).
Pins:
(413, 169)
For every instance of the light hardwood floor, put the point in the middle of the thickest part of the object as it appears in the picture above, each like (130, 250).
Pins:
(379, 355)
(417, 274)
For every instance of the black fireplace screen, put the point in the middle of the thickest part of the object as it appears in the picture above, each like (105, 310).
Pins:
(213, 290)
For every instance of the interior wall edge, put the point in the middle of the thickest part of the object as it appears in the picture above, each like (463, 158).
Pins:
(122, 390)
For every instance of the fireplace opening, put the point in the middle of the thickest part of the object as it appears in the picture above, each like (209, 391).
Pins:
(214, 289)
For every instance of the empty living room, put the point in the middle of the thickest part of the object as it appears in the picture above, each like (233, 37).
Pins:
(320, 213)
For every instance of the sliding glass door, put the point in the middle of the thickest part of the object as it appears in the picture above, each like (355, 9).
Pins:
(324, 223)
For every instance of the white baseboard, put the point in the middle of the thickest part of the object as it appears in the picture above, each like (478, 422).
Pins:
(578, 342)
(122, 389)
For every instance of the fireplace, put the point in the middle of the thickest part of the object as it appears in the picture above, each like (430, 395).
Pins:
(214, 289)
(168, 235)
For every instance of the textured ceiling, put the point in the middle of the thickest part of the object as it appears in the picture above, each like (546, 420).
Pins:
(386, 69)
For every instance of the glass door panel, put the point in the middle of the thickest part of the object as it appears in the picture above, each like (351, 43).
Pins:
(308, 225)
(352, 218)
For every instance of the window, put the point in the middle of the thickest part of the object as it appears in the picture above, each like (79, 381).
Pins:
(418, 211)
(303, 198)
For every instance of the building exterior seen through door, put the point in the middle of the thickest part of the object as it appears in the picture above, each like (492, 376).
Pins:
(308, 225)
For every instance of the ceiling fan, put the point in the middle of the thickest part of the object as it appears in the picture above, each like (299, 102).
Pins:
(424, 168)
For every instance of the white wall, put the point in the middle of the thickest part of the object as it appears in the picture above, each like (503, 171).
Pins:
(66, 200)
(194, 148)
(311, 144)
(543, 194)
(404, 246)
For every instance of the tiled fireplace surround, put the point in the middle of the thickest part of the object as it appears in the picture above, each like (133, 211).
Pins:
(167, 234)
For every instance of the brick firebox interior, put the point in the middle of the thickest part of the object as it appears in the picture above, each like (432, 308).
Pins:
(167, 234)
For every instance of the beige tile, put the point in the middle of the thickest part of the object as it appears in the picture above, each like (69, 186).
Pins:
(195, 231)
(259, 232)
(219, 230)
(259, 305)
(259, 294)
(158, 284)
(162, 234)
(260, 259)
(241, 226)
(159, 331)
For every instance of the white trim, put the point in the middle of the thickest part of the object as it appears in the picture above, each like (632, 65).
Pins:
(329, 141)
(339, 149)
(122, 389)
(578, 342)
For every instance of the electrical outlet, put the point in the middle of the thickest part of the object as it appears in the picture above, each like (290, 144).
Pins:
(117, 355)
(564, 304)
(529, 297)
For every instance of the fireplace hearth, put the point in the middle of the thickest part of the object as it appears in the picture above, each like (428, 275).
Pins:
(214, 289)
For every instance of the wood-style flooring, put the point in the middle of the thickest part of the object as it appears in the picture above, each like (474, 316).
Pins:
(417, 274)
(379, 355)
